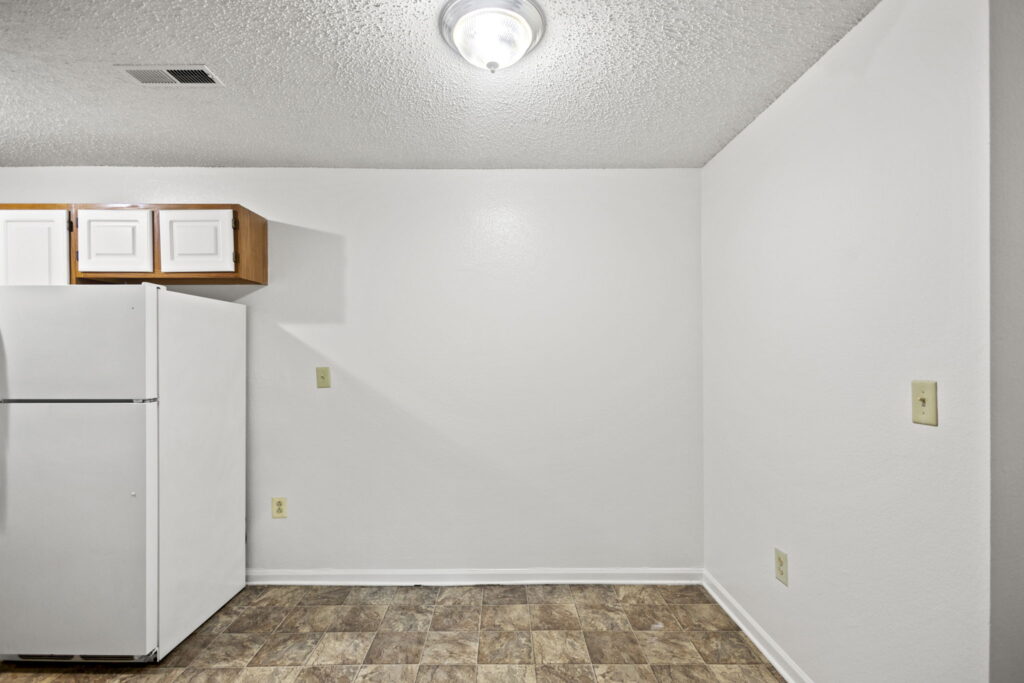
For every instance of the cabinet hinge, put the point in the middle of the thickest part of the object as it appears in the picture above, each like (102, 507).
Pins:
(236, 257)
(234, 222)
(71, 226)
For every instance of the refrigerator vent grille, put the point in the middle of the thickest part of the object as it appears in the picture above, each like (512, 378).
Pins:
(175, 74)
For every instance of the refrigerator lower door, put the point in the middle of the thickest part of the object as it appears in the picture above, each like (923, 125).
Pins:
(77, 530)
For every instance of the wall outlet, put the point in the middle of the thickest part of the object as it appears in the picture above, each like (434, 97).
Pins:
(323, 378)
(278, 508)
(782, 566)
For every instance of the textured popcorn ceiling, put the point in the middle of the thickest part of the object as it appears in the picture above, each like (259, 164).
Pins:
(371, 83)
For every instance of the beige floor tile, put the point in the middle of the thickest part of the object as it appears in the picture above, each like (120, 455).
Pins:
(270, 674)
(247, 595)
(325, 595)
(603, 618)
(147, 675)
(704, 618)
(683, 673)
(460, 595)
(224, 675)
(455, 618)
(396, 648)
(614, 647)
(724, 647)
(186, 651)
(594, 595)
(560, 647)
(286, 649)
(341, 648)
(554, 618)
(387, 673)
(311, 619)
(359, 617)
(400, 618)
(258, 620)
(549, 595)
(685, 595)
(504, 595)
(279, 596)
(371, 595)
(221, 620)
(624, 673)
(506, 673)
(506, 647)
(439, 673)
(668, 647)
(229, 650)
(742, 673)
(415, 595)
(327, 674)
(565, 673)
(652, 617)
(505, 618)
(450, 647)
(639, 595)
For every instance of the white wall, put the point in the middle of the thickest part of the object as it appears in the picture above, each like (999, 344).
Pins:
(845, 253)
(516, 359)
(1007, 26)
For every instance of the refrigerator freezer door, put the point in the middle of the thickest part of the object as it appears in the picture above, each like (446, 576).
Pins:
(77, 529)
(75, 343)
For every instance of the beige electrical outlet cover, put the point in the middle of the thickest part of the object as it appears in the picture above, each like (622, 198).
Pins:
(279, 508)
(925, 397)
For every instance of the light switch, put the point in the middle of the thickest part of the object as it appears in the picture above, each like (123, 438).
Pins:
(323, 378)
(925, 394)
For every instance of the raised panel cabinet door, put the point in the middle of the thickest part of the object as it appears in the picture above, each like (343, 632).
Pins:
(197, 241)
(34, 247)
(115, 241)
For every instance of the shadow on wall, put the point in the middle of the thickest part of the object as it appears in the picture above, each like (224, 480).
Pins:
(4, 440)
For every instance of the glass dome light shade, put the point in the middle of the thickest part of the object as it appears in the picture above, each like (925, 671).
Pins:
(491, 34)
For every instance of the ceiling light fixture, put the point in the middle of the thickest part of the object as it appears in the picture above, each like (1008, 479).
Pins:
(492, 34)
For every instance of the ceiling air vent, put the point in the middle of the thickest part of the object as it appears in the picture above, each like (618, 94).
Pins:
(176, 74)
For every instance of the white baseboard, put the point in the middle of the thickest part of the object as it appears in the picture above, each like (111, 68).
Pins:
(775, 654)
(449, 577)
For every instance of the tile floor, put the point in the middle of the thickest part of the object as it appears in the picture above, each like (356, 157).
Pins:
(452, 634)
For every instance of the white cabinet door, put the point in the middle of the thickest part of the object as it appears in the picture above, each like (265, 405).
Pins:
(196, 240)
(34, 247)
(115, 241)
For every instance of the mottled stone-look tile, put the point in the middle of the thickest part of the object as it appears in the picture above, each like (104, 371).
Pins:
(594, 595)
(505, 618)
(504, 595)
(506, 673)
(455, 618)
(554, 618)
(327, 674)
(269, 674)
(603, 618)
(387, 673)
(396, 648)
(698, 617)
(286, 649)
(560, 647)
(310, 619)
(549, 595)
(229, 650)
(279, 596)
(683, 673)
(147, 675)
(460, 595)
(565, 673)
(614, 647)
(440, 673)
(506, 647)
(624, 673)
(651, 617)
(450, 647)
(371, 595)
(415, 595)
(668, 647)
(193, 675)
(221, 620)
(247, 595)
(685, 595)
(724, 647)
(639, 595)
(325, 595)
(187, 650)
(407, 618)
(258, 620)
(358, 617)
(341, 648)
(742, 673)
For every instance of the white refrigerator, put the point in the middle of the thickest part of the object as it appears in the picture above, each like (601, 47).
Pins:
(122, 469)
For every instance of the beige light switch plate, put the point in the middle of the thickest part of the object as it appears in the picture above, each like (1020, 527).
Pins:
(323, 378)
(782, 567)
(925, 395)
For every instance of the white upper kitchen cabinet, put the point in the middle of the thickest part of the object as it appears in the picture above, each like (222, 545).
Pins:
(115, 241)
(34, 247)
(197, 240)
